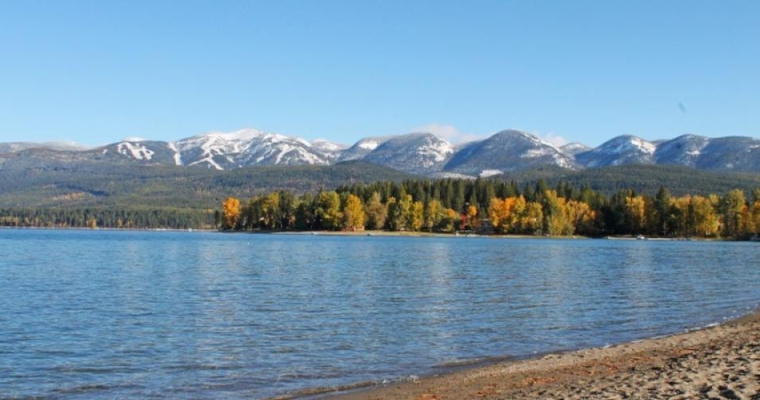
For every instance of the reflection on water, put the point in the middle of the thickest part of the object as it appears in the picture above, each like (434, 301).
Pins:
(179, 315)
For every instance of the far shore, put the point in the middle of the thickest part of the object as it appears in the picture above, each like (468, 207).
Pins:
(721, 361)
(461, 234)
(479, 235)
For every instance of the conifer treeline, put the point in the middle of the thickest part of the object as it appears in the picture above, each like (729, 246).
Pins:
(107, 218)
(487, 206)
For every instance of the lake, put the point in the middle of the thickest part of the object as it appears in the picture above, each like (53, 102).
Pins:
(106, 314)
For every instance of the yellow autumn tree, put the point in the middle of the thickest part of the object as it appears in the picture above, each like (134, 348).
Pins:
(231, 212)
(496, 213)
(506, 214)
(636, 212)
(583, 217)
(416, 216)
(353, 214)
(531, 216)
(473, 217)
(270, 210)
(706, 220)
(433, 213)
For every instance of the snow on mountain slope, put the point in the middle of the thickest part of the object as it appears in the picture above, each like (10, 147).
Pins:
(362, 148)
(144, 152)
(574, 148)
(508, 150)
(325, 145)
(735, 153)
(684, 150)
(418, 153)
(330, 150)
(177, 156)
(621, 150)
(135, 149)
(246, 147)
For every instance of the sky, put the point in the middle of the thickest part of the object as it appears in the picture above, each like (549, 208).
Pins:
(95, 72)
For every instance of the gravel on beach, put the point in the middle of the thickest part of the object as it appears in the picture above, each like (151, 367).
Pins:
(721, 362)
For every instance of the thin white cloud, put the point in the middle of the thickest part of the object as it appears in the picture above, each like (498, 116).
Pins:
(553, 139)
(134, 139)
(448, 132)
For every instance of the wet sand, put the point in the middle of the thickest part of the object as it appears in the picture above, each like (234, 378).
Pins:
(721, 362)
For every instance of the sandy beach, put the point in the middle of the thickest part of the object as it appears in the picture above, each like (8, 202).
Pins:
(720, 362)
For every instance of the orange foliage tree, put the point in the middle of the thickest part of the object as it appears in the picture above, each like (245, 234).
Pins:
(231, 212)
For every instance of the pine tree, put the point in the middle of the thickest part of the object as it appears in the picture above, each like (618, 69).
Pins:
(662, 211)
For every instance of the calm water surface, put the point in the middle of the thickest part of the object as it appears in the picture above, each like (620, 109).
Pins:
(203, 315)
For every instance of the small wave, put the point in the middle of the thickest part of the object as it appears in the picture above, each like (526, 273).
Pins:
(325, 390)
(55, 352)
(285, 350)
(94, 370)
(201, 367)
(95, 387)
(472, 362)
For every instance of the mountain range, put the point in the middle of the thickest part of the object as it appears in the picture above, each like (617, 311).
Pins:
(416, 153)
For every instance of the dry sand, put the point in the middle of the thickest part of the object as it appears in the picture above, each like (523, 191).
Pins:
(721, 362)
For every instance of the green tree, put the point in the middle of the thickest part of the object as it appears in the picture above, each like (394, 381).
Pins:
(328, 210)
(376, 212)
(433, 213)
(733, 206)
(395, 220)
(662, 203)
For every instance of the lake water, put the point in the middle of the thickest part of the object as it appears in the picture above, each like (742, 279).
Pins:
(99, 314)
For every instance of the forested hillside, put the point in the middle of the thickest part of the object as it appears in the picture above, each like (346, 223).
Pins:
(80, 185)
(642, 178)
(82, 194)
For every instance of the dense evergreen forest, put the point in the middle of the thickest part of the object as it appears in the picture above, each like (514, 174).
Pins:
(489, 206)
(136, 218)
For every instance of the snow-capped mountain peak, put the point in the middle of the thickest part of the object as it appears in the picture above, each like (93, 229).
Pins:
(508, 150)
(362, 148)
(413, 152)
(327, 145)
(574, 148)
(625, 149)
(221, 150)
(136, 150)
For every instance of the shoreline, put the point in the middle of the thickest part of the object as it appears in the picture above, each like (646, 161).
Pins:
(716, 361)
(373, 233)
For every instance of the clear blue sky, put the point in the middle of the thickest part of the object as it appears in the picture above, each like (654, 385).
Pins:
(97, 71)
